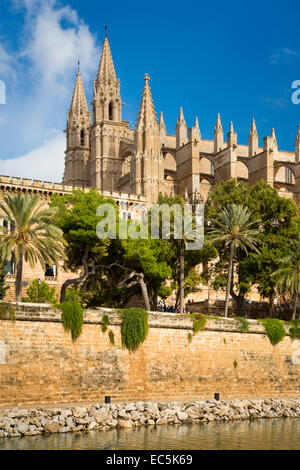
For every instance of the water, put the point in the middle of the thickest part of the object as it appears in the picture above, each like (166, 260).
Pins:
(261, 434)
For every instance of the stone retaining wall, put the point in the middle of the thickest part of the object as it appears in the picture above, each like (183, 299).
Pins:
(17, 423)
(40, 365)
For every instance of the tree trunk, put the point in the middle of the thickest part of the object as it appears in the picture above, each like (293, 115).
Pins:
(19, 274)
(295, 306)
(271, 305)
(78, 280)
(181, 285)
(144, 292)
(230, 269)
(208, 296)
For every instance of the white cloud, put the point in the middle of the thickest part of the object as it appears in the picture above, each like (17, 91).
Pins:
(56, 38)
(44, 163)
(54, 50)
(7, 71)
(283, 54)
(51, 41)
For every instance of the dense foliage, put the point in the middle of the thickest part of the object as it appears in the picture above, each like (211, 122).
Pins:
(134, 328)
(295, 329)
(242, 324)
(274, 330)
(199, 323)
(105, 322)
(72, 318)
(32, 234)
(40, 294)
(3, 287)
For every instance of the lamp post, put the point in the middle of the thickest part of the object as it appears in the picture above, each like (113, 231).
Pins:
(39, 282)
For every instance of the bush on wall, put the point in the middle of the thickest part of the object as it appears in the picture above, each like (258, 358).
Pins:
(274, 330)
(134, 328)
(72, 318)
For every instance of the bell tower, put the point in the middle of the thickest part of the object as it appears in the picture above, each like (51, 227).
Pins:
(108, 129)
(77, 160)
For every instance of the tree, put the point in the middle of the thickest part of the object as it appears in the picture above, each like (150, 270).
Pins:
(279, 225)
(181, 261)
(227, 192)
(77, 218)
(235, 230)
(288, 275)
(33, 236)
(42, 293)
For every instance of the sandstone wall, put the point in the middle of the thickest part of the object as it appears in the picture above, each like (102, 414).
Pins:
(39, 364)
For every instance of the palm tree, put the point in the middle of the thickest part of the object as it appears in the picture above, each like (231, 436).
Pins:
(32, 236)
(288, 275)
(234, 229)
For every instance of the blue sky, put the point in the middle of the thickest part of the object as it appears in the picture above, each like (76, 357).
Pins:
(236, 58)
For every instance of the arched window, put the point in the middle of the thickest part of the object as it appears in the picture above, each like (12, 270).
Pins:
(82, 138)
(288, 176)
(110, 111)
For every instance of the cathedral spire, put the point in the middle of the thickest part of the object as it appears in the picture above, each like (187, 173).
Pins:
(77, 133)
(218, 135)
(253, 140)
(253, 131)
(231, 136)
(147, 167)
(162, 129)
(274, 137)
(181, 130)
(146, 117)
(106, 69)
(107, 105)
(79, 103)
(162, 122)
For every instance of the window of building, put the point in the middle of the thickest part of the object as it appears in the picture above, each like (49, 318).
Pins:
(129, 215)
(212, 170)
(50, 270)
(10, 267)
(288, 176)
(110, 111)
(82, 138)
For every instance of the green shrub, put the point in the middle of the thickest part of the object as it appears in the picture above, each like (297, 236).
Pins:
(3, 287)
(199, 322)
(224, 339)
(190, 337)
(73, 295)
(43, 294)
(134, 327)
(235, 364)
(294, 329)
(274, 330)
(7, 311)
(111, 337)
(72, 318)
(105, 322)
(242, 323)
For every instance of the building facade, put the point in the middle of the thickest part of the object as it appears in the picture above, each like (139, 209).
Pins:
(134, 165)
